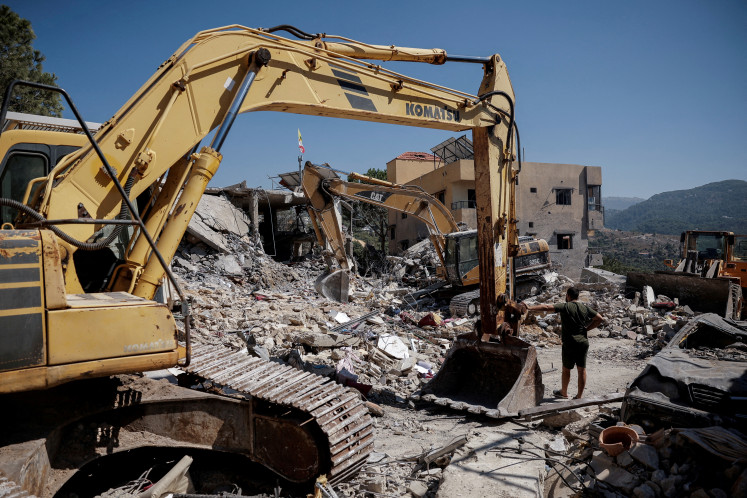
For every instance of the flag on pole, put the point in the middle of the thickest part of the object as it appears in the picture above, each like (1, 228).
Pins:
(300, 142)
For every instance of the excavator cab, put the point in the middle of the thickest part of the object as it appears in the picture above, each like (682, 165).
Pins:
(461, 258)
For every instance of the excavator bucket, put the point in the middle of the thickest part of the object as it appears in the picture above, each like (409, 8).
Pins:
(488, 378)
(335, 285)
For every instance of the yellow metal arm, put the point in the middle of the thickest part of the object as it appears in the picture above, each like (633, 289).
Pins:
(191, 93)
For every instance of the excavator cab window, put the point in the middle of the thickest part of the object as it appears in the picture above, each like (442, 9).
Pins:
(467, 254)
(20, 168)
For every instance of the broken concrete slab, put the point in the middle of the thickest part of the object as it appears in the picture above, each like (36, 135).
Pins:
(417, 489)
(331, 340)
(619, 478)
(481, 467)
(214, 215)
(393, 346)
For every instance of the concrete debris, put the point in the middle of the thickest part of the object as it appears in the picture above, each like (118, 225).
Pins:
(387, 345)
(214, 217)
(393, 346)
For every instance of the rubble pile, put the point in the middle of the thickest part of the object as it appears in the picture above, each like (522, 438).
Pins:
(698, 462)
(383, 347)
(416, 266)
(645, 319)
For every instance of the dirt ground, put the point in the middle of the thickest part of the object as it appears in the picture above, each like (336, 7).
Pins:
(405, 432)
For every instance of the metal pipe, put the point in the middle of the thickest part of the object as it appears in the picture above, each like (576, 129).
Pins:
(256, 60)
(468, 58)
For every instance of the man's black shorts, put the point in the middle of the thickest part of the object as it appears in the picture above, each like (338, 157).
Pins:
(574, 354)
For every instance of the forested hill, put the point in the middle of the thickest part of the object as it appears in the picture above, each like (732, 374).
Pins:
(715, 206)
(620, 203)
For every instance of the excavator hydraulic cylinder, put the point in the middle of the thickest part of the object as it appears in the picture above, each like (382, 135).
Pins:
(203, 170)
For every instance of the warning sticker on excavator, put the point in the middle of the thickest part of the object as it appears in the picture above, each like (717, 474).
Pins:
(498, 250)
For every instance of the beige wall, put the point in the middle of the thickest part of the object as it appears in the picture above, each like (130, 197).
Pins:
(403, 171)
(538, 208)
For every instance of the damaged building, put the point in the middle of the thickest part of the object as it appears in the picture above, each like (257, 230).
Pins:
(561, 203)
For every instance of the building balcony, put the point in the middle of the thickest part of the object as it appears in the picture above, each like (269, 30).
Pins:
(463, 205)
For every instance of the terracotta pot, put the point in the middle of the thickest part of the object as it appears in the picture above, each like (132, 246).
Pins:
(616, 439)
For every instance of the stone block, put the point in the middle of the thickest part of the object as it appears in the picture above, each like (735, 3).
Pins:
(624, 459)
(644, 491)
(562, 419)
(619, 478)
(646, 455)
(417, 489)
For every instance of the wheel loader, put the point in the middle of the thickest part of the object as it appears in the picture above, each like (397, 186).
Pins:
(93, 221)
(711, 275)
(456, 248)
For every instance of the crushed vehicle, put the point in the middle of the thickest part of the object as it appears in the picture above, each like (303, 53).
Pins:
(698, 379)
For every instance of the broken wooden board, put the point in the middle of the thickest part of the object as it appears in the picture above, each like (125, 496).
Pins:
(560, 406)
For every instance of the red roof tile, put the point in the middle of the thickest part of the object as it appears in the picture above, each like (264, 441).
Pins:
(416, 156)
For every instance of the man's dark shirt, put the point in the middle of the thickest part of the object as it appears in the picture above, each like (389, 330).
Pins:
(574, 317)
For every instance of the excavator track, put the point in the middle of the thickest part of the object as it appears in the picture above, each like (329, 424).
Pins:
(465, 304)
(468, 303)
(338, 411)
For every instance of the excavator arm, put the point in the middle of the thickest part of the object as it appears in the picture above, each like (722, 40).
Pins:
(321, 189)
(223, 72)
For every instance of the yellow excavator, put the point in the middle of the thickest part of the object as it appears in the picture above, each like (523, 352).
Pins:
(456, 248)
(95, 231)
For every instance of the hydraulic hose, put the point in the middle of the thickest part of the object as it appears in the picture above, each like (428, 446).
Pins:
(85, 246)
(294, 31)
(484, 96)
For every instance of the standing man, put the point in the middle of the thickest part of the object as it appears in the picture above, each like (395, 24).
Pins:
(576, 320)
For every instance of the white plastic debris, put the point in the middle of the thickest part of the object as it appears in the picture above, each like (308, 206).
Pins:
(339, 316)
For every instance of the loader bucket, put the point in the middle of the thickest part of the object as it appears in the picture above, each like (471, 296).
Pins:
(487, 378)
(707, 295)
(335, 285)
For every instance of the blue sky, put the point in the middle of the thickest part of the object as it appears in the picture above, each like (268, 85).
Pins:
(651, 91)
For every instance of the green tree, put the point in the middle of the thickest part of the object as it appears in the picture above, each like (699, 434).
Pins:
(373, 219)
(19, 60)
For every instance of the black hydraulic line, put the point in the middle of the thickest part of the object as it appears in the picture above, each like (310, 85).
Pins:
(484, 96)
(112, 174)
(294, 31)
(84, 246)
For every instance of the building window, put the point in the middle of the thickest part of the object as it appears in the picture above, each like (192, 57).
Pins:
(531, 224)
(404, 244)
(533, 190)
(563, 196)
(441, 196)
(565, 241)
(404, 215)
(594, 196)
(392, 232)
